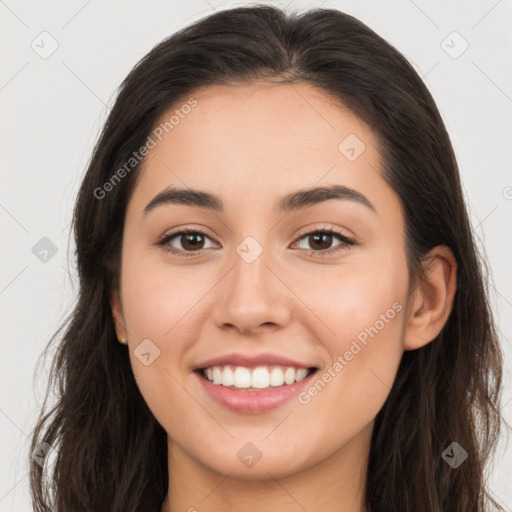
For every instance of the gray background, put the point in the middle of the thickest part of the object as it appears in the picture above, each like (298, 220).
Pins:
(53, 108)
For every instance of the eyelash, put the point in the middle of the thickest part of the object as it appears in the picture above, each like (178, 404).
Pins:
(163, 242)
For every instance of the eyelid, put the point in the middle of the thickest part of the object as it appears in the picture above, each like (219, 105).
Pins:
(305, 231)
(322, 226)
(185, 229)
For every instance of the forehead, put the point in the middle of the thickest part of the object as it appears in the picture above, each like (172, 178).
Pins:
(244, 142)
(265, 120)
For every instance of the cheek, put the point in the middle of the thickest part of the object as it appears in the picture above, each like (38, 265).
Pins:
(153, 308)
(361, 322)
(348, 303)
(159, 301)
(156, 318)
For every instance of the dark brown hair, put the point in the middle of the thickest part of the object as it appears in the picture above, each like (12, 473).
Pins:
(111, 453)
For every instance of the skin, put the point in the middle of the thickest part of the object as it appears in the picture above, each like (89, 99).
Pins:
(251, 145)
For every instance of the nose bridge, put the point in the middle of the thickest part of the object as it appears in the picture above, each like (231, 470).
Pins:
(251, 293)
(250, 266)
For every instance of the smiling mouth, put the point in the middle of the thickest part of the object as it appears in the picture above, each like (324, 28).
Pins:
(254, 379)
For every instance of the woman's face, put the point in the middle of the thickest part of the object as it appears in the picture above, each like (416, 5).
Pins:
(260, 280)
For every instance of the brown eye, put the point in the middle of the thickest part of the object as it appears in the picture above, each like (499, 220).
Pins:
(191, 241)
(321, 241)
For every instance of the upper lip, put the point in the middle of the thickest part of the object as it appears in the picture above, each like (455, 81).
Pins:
(265, 359)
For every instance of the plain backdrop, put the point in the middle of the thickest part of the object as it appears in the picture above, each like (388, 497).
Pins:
(61, 65)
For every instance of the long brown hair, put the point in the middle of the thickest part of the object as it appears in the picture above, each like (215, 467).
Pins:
(110, 452)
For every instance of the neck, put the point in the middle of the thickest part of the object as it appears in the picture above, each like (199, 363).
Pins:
(336, 483)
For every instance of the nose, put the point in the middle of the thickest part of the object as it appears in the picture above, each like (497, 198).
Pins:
(253, 295)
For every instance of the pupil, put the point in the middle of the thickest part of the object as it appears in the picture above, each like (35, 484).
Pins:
(324, 236)
(192, 235)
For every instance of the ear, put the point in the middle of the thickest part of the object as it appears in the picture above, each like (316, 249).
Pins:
(117, 314)
(433, 299)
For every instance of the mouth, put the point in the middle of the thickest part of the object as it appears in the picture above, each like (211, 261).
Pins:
(254, 379)
(255, 390)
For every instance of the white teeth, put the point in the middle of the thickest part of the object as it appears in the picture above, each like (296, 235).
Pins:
(260, 378)
(228, 378)
(289, 375)
(277, 377)
(301, 374)
(242, 377)
(217, 375)
(256, 378)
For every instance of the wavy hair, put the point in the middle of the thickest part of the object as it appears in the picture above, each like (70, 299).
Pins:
(110, 452)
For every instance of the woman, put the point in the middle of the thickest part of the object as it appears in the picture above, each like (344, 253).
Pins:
(273, 228)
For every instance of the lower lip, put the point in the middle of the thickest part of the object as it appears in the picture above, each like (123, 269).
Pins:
(253, 402)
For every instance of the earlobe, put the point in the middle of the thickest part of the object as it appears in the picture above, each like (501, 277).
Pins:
(117, 315)
(433, 299)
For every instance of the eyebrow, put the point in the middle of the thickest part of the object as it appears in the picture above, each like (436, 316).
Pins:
(298, 200)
